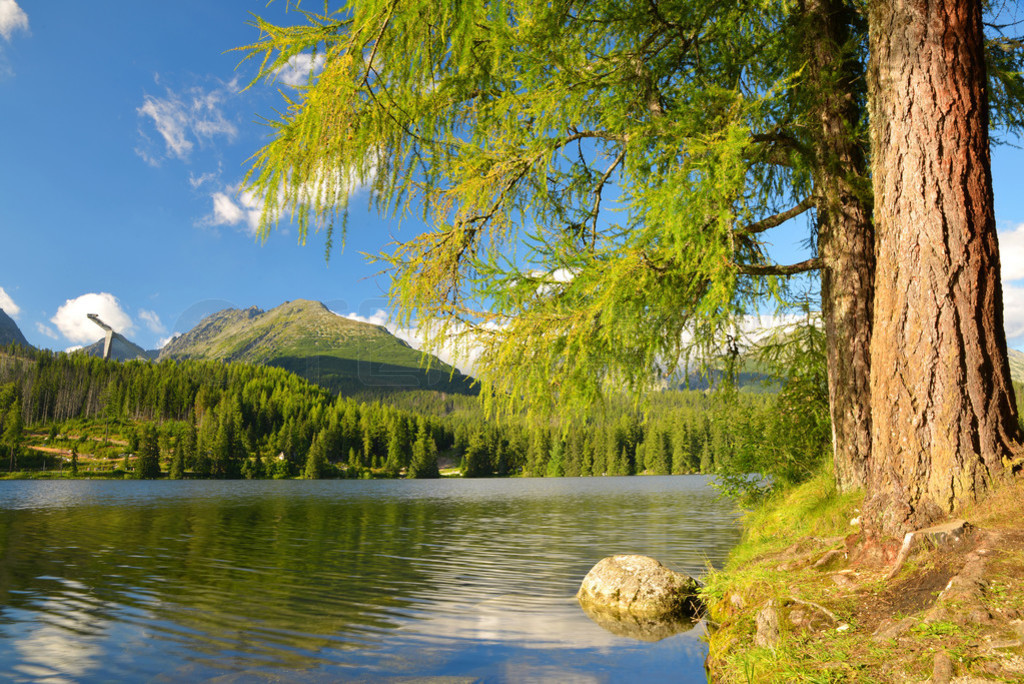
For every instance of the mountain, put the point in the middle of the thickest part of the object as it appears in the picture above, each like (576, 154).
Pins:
(10, 333)
(1016, 365)
(121, 349)
(308, 339)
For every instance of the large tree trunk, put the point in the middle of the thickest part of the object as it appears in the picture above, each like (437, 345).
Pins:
(944, 424)
(845, 231)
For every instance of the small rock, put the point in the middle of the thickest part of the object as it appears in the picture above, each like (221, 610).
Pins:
(843, 581)
(767, 626)
(980, 616)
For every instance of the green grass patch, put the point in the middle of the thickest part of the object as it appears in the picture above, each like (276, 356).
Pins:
(812, 509)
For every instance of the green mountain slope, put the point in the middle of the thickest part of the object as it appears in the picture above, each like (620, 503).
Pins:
(311, 341)
(10, 333)
(1016, 365)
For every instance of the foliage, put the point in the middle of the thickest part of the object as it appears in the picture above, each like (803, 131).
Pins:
(598, 175)
(790, 436)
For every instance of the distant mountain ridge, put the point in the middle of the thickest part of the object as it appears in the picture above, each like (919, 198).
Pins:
(10, 333)
(305, 337)
(121, 349)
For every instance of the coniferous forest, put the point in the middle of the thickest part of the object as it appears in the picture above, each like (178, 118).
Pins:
(77, 415)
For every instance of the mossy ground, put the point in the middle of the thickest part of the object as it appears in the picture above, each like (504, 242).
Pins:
(951, 614)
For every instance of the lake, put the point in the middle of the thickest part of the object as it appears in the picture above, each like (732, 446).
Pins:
(468, 580)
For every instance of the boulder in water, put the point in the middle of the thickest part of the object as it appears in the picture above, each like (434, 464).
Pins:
(638, 585)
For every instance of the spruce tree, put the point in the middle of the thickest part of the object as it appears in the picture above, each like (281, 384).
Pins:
(147, 465)
(424, 454)
(316, 460)
(14, 430)
(177, 470)
(476, 461)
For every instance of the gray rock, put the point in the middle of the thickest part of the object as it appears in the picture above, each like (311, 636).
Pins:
(638, 585)
(767, 621)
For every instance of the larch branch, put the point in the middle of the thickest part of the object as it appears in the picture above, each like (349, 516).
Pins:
(779, 269)
(600, 186)
(776, 220)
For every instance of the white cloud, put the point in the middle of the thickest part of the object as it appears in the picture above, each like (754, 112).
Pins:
(152, 321)
(73, 322)
(1013, 314)
(46, 330)
(12, 18)
(6, 303)
(231, 208)
(1011, 253)
(164, 340)
(199, 181)
(183, 120)
(299, 68)
(378, 317)
(171, 122)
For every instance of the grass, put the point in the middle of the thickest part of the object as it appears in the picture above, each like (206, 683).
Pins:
(878, 629)
(813, 509)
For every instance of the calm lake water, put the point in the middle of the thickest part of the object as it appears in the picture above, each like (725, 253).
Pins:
(340, 580)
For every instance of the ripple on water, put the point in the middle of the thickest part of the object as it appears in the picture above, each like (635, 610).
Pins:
(349, 579)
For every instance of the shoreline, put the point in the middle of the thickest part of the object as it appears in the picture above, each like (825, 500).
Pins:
(790, 606)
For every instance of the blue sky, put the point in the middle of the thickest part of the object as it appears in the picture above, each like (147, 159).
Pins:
(124, 134)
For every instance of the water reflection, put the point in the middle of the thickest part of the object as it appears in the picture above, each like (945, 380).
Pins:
(135, 580)
(642, 628)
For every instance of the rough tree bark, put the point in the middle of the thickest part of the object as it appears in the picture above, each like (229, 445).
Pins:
(845, 231)
(943, 413)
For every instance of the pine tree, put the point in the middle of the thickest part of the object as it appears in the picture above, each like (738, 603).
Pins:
(147, 465)
(14, 431)
(538, 452)
(316, 460)
(177, 470)
(556, 463)
(476, 462)
(657, 454)
(424, 454)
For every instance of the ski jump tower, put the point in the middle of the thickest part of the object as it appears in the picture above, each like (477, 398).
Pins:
(109, 339)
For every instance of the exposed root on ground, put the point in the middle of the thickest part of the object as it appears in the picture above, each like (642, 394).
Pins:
(950, 612)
